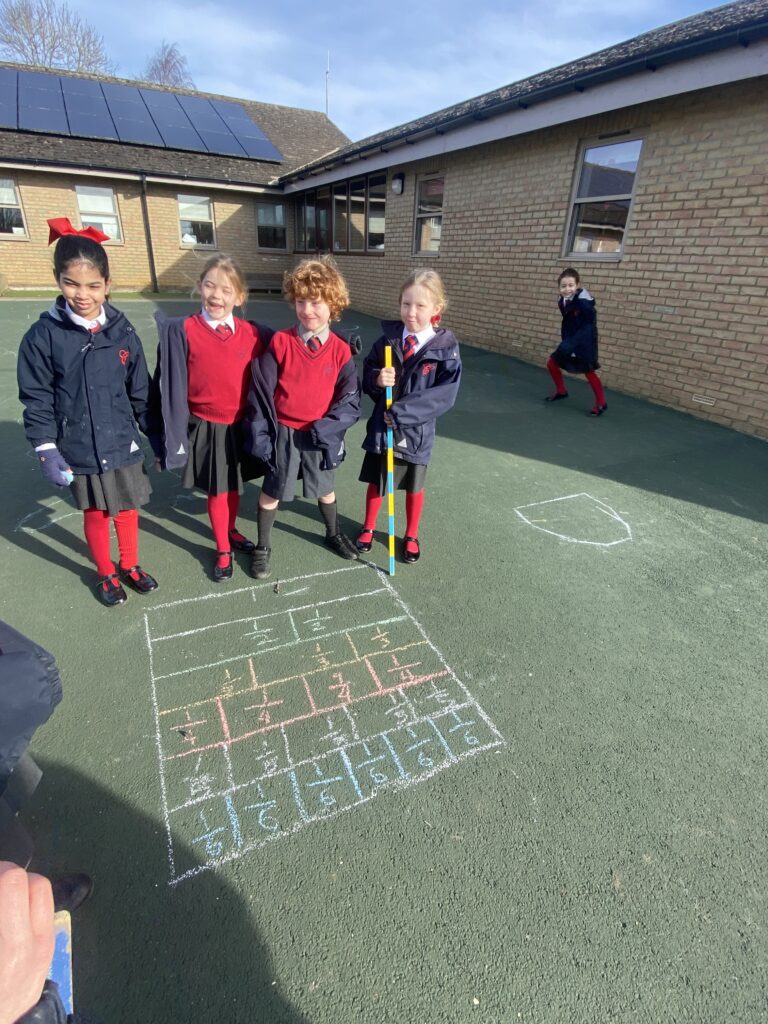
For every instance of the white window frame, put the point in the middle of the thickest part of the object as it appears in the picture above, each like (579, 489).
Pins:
(272, 248)
(13, 237)
(585, 145)
(189, 198)
(82, 190)
(419, 217)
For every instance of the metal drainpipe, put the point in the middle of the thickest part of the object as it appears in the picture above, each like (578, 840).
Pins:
(148, 234)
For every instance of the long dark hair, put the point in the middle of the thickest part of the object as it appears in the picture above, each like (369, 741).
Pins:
(77, 249)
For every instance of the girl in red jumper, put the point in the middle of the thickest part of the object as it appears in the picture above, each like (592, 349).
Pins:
(200, 390)
(84, 383)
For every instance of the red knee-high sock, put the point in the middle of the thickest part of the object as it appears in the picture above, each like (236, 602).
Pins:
(373, 502)
(557, 376)
(96, 530)
(218, 513)
(597, 386)
(233, 507)
(414, 505)
(127, 530)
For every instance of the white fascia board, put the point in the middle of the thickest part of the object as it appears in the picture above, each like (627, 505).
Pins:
(710, 70)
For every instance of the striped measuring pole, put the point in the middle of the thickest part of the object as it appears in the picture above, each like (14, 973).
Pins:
(390, 471)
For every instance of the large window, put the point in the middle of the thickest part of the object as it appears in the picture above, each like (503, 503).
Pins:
(349, 217)
(11, 217)
(98, 209)
(429, 214)
(270, 226)
(605, 181)
(196, 221)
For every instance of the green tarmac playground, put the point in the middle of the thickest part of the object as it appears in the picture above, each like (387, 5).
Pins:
(521, 781)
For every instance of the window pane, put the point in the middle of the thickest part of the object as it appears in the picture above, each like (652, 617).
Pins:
(609, 170)
(428, 234)
(301, 234)
(323, 215)
(95, 200)
(195, 232)
(357, 215)
(310, 214)
(340, 218)
(11, 222)
(377, 197)
(8, 192)
(599, 227)
(194, 208)
(109, 225)
(270, 220)
(430, 196)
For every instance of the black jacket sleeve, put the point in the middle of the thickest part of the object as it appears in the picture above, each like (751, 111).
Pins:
(34, 372)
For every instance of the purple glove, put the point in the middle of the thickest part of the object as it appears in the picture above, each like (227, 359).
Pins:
(54, 467)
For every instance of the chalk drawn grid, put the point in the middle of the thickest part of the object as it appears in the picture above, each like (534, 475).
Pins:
(274, 710)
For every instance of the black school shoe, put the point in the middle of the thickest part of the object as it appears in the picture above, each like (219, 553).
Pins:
(597, 410)
(343, 546)
(241, 543)
(260, 563)
(71, 891)
(137, 579)
(411, 556)
(364, 545)
(222, 572)
(110, 592)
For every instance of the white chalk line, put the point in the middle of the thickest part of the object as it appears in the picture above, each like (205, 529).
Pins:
(158, 744)
(601, 506)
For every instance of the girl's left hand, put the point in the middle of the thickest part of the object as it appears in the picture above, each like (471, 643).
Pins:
(388, 419)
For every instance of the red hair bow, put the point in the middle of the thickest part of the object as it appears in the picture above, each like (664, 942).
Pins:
(60, 226)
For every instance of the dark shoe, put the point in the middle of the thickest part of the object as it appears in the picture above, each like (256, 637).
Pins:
(597, 410)
(411, 556)
(110, 592)
(71, 891)
(222, 572)
(260, 563)
(138, 580)
(364, 545)
(241, 543)
(342, 545)
(557, 397)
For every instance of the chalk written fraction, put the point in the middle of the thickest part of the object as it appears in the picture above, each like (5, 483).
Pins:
(274, 711)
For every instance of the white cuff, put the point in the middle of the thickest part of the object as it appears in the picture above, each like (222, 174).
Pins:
(45, 447)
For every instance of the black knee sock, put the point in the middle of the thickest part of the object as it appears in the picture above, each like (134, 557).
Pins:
(264, 519)
(330, 517)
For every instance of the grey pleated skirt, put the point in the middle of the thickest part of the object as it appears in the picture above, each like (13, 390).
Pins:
(217, 461)
(115, 491)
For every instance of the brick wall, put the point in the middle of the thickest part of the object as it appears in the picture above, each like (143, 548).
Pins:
(682, 314)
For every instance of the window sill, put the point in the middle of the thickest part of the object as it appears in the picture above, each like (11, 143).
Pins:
(15, 238)
(594, 257)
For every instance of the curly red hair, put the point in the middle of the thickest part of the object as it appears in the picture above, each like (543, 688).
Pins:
(317, 278)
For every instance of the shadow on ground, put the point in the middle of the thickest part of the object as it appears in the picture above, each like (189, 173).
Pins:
(144, 951)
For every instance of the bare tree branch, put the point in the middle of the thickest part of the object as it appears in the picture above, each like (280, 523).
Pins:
(167, 66)
(49, 34)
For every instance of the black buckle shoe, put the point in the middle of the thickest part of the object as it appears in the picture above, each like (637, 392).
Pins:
(260, 563)
(343, 546)
(223, 572)
(364, 545)
(241, 543)
(411, 556)
(138, 580)
(110, 592)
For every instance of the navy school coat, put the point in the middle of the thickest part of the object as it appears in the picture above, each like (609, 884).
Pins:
(87, 393)
(425, 390)
(577, 351)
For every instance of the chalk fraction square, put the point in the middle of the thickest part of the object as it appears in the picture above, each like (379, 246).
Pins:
(277, 710)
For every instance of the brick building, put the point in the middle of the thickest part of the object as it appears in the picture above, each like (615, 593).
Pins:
(644, 165)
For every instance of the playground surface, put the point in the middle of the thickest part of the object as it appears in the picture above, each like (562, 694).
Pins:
(521, 780)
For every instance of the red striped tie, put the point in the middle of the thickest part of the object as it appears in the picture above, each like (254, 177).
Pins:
(224, 331)
(409, 346)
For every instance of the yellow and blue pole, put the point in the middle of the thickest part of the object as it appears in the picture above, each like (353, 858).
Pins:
(390, 470)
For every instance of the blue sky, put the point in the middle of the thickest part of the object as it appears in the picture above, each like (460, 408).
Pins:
(389, 62)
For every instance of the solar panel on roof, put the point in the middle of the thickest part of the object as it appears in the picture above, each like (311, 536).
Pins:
(40, 102)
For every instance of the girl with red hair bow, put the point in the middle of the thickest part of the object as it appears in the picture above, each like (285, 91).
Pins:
(84, 384)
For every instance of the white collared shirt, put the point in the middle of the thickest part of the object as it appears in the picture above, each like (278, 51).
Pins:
(322, 336)
(421, 338)
(100, 320)
(229, 320)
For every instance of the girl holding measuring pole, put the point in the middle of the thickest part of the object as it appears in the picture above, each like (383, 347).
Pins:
(425, 382)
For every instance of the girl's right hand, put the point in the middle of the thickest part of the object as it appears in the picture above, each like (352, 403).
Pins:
(386, 378)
